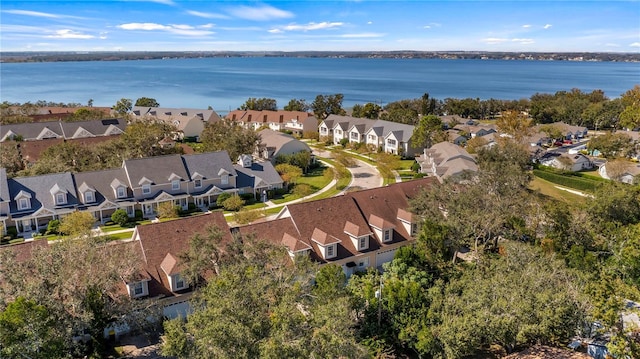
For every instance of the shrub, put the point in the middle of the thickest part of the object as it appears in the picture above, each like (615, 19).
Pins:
(138, 214)
(233, 203)
(53, 227)
(302, 190)
(168, 210)
(120, 217)
(415, 167)
(245, 216)
(344, 142)
(222, 197)
(12, 231)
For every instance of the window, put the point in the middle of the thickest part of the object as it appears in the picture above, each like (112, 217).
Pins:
(180, 284)
(146, 189)
(372, 137)
(387, 235)
(88, 197)
(138, 289)
(331, 251)
(363, 263)
(61, 198)
(175, 185)
(225, 179)
(323, 130)
(121, 192)
(354, 135)
(197, 183)
(362, 243)
(391, 142)
(414, 229)
(23, 203)
(339, 132)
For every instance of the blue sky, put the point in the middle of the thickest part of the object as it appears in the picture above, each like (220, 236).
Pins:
(127, 25)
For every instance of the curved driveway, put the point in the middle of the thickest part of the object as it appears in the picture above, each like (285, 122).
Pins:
(363, 175)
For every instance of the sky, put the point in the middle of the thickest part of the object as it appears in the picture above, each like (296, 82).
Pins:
(356, 25)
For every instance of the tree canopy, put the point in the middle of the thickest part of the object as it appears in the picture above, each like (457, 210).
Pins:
(229, 136)
(325, 105)
(147, 102)
(259, 104)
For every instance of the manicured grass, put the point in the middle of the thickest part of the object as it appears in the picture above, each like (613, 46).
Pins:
(579, 183)
(119, 236)
(405, 165)
(549, 189)
(315, 178)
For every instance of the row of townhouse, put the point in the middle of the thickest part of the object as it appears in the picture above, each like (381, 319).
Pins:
(187, 121)
(297, 122)
(444, 160)
(391, 137)
(355, 231)
(29, 203)
(33, 131)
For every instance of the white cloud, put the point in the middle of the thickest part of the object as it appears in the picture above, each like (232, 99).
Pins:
(365, 35)
(186, 30)
(634, 44)
(103, 35)
(40, 14)
(426, 27)
(207, 15)
(306, 27)
(547, 26)
(260, 13)
(206, 26)
(69, 34)
(526, 26)
(31, 13)
(523, 41)
(369, 22)
(494, 40)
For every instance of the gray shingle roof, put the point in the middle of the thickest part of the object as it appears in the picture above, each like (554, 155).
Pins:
(260, 173)
(39, 187)
(208, 164)
(4, 186)
(156, 169)
(101, 182)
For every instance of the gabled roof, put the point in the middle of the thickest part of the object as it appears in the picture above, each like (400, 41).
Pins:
(157, 169)
(259, 173)
(39, 187)
(208, 164)
(162, 243)
(180, 115)
(4, 186)
(277, 140)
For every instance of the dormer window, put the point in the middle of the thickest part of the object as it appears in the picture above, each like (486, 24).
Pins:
(24, 203)
(331, 251)
(387, 235)
(175, 185)
(61, 198)
(179, 282)
(197, 183)
(224, 179)
(146, 188)
(88, 197)
(363, 243)
(138, 289)
(122, 193)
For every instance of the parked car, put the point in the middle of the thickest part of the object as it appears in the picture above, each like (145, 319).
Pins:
(558, 144)
(567, 142)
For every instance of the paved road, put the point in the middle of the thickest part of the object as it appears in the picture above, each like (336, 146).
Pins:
(364, 176)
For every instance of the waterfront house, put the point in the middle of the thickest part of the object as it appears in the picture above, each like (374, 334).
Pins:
(444, 160)
(189, 122)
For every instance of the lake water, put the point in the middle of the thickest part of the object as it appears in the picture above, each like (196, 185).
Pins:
(226, 83)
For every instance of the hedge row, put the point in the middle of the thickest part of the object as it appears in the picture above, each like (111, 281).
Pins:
(575, 182)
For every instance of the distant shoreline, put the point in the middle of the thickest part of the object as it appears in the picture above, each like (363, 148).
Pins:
(23, 57)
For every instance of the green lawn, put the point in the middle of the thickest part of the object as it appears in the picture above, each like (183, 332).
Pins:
(119, 236)
(550, 189)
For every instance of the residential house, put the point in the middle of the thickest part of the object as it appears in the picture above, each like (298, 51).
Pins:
(160, 246)
(155, 180)
(626, 174)
(566, 161)
(256, 177)
(355, 231)
(275, 143)
(325, 129)
(471, 131)
(34, 131)
(568, 132)
(295, 121)
(188, 122)
(210, 174)
(103, 192)
(444, 160)
(391, 137)
(302, 123)
(456, 138)
(36, 200)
